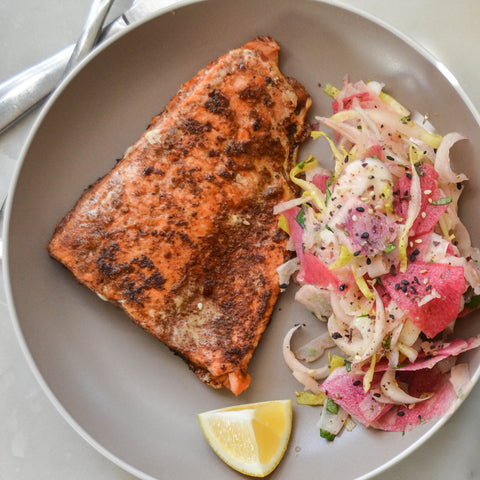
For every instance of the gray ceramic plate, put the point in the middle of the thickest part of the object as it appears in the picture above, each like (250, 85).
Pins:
(118, 387)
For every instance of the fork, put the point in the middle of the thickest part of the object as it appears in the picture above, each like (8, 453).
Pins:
(87, 40)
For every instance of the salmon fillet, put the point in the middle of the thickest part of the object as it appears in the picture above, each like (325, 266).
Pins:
(181, 233)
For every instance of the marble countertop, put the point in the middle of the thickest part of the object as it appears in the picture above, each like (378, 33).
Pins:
(36, 442)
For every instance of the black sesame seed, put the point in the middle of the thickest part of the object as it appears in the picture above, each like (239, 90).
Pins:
(342, 287)
(369, 261)
(357, 253)
(360, 209)
(400, 413)
(356, 383)
(403, 288)
(365, 235)
(336, 335)
(390, 157)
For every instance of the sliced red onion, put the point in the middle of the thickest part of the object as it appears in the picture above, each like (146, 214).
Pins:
(286, 270)
(460, 379)
(316, 300)
(315, 348)
(294, 364)
(295, 202)
(442, 159)
(307, 381)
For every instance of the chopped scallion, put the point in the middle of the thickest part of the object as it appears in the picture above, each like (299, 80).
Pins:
(327, 435)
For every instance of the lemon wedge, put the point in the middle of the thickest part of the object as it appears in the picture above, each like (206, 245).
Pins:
(251, 439)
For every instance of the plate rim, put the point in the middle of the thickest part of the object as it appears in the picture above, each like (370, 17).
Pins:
(439, 66)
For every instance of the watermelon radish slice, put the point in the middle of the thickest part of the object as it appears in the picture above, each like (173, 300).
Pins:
(436, 354)
(423, 279)
(314, 272)
(364, 98)
(347, 391)
(368, 233)
(295, 230)
(402, 418)
(419, 246)
(429, 212)
(453, 348)
(320, 181)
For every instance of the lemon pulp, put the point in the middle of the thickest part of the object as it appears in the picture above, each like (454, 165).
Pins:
(251, 439)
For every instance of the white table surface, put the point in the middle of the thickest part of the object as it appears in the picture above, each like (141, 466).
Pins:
(35, 441)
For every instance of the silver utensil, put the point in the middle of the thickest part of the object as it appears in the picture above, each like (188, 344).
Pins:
(23, 92)
(90, 33)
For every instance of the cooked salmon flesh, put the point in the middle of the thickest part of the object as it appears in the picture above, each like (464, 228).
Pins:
(181, 233)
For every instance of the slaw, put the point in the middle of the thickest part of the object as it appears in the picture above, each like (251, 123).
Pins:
(384, 260)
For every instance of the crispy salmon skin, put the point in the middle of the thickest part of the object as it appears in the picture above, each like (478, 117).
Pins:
(181, 233)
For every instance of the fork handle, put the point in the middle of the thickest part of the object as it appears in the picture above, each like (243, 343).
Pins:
(91, 31)
(24, 91)
(21, 93)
